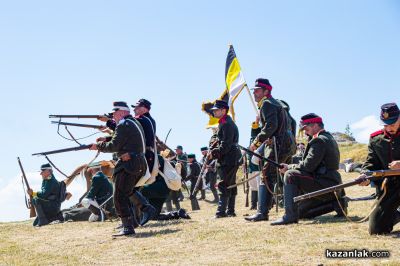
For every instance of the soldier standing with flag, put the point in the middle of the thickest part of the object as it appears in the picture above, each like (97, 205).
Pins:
(228, 155)
(275, 126)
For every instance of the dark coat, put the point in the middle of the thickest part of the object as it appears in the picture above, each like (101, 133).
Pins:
(382, 150)
(101, 188)
(228, 138)
(321, 158)
(127, 138)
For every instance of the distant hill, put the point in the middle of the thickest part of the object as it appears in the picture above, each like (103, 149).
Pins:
(343, 138)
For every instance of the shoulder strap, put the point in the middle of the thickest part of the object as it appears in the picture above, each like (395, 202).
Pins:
(141, 134)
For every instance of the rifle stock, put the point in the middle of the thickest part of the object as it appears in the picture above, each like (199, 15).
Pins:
(82, 147)
(370, 175)
(32, 211)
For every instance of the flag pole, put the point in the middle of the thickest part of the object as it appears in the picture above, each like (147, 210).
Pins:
(247, 88)
(251, 99)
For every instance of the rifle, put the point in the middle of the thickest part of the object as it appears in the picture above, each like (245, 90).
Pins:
(77, 125)
(82, 147)
(32, 211)
(370, 175)
(276, 164)
(80, 116)
(246, 177)
(161, 146)
(203, 168)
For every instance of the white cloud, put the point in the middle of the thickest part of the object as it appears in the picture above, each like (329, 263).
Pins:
(12, 196)
(363, 128)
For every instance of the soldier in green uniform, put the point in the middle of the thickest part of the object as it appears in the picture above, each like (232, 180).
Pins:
(182, 158)
(228, 155)
(211, 175)
(276, 126)
(47, 201)
(101, 191)
(127, 138)
(317, 170)
(157, 193)
(194, 172)
(383, 154)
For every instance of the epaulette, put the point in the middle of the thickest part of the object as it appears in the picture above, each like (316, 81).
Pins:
(379, 132)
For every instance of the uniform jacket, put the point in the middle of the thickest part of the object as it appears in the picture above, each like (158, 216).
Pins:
(127, 138)
(228, 138)
(321, 158)
(101, 188)
(382, 150)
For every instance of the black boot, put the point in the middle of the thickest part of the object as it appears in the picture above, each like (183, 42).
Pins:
(41, 217)
(231, 206)
(148, 211)
(168, 205)
(264, 201)
(396, 217)
(180, 195)
(254, 200)
(308, 211)
(194, 203)
(338, 208)
(176, 203)
(221, 209)
(183, 214)
(291, 215)
(215, 194)
(127, 227)
(203, 195)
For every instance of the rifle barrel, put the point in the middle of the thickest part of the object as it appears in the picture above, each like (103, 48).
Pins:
(370, 175)
(74, 116)
(76, 124)
(82, 147)
(23, 173)
(325, 191)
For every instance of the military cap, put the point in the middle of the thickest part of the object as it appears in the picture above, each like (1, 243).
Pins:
(191, 156)
(310, 118)
(389, 113)
(204, 148)
(120, 106)
(262, 83)
(142, 103)
(179, 147)
(219, 104)
(45, 166)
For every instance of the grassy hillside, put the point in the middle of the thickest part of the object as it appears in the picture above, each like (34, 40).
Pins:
(200, 241)
(357, 151)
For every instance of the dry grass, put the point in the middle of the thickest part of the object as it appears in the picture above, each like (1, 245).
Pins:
(357, 151)
(200, 241)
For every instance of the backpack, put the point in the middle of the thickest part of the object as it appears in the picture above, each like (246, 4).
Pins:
(171, 177)
(63, 191)
(287, 140)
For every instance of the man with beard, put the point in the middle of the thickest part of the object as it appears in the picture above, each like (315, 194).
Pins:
(46, 201)
(317, 170)
(276, 126)
(383, 154)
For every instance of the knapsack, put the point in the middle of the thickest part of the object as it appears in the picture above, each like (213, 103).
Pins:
(63, 191)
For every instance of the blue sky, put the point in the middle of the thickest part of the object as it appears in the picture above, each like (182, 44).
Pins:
(339, 59)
